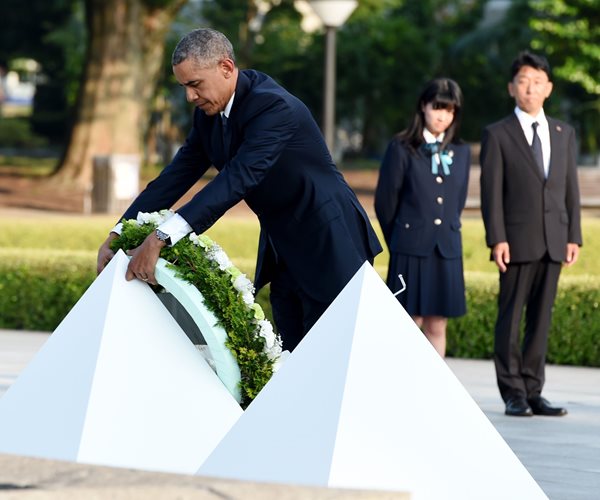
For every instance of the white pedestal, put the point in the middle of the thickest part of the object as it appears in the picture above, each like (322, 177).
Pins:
(118, 383)
(365, 402)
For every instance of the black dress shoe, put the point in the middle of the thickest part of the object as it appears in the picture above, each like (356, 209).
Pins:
(541, 406)
(518, 407)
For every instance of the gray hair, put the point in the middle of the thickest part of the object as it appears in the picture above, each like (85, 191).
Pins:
(205, 46)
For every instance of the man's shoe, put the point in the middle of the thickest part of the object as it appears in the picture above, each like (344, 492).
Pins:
(541, 406)
(518, 407)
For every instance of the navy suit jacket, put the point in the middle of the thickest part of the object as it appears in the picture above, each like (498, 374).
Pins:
(417, 210)
(278, 162)
(534, 215)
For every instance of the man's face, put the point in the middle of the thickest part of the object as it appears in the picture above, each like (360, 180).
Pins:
(207, 88)
(530, 87)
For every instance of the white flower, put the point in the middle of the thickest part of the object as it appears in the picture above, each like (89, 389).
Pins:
(280, 360)
(202, 240)
(156, 218)
(272, 341)
(275, 351)
(217, 254)
(243, 285)
(248, 298)
(143, 218)
(166, 215)
(265, 330)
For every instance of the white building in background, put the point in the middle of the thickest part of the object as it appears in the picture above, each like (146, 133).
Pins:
(19, 83)
(495, 12)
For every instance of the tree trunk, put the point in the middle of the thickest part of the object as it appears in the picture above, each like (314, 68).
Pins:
(124, 58)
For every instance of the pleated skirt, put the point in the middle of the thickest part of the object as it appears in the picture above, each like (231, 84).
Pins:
(435, 286)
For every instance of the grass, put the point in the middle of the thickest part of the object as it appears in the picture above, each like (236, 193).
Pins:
(239, 238)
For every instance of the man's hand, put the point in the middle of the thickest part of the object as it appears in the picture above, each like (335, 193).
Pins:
(572, 254)
(144, 259)
(105, 253)
(501, 254)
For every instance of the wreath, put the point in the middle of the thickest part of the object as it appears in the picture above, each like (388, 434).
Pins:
(227, 293)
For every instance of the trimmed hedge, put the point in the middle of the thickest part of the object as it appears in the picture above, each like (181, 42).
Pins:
(38, 288)
(574, 335)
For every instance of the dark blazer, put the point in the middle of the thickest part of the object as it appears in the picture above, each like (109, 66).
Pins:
(278, 162)
(417, 210)
(534, 215)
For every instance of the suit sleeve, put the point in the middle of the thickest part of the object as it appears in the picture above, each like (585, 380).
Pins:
(389, 186)
(572, 200)
(188, 165)
(492, 185)
(267, 129)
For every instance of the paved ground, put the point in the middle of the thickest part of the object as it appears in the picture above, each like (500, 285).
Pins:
(562, 454)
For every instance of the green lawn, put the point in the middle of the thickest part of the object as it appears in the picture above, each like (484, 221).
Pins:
(239, 237)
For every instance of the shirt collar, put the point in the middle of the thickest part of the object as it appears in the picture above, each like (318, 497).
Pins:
(527, 120)
(227, 109)
(430, 138)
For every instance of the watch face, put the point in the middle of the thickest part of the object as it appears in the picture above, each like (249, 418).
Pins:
(161, 236)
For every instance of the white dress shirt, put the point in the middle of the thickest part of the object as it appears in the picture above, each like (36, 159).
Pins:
(543, 131)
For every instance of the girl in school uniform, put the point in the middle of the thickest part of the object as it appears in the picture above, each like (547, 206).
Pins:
(421, 192)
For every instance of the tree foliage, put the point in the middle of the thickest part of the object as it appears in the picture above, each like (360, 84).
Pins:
(568, 31)
(51, 34)
(386, 51)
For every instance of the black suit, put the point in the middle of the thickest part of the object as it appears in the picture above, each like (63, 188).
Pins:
(314, 233)
(537, 216)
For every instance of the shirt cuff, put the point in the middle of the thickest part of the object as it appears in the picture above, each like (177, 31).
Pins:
(176, 227)
(117, 229)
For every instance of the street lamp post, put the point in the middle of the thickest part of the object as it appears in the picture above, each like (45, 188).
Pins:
(333, 13)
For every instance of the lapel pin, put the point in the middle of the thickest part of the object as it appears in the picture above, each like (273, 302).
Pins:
(558, 128)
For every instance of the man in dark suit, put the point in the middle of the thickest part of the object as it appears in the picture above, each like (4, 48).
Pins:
(531, 211)
(269, 152)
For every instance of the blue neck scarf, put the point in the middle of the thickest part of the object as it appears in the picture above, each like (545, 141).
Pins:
(438, 157)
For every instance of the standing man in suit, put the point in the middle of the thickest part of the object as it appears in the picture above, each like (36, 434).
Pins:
(269, 152)
(531, 211)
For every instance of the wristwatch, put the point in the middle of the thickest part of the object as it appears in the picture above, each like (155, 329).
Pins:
(162, 236)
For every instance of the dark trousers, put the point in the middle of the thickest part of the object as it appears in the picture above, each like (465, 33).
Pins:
(520, 369)
(294, 312)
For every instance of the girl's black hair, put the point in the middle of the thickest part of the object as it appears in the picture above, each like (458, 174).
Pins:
(442, 93)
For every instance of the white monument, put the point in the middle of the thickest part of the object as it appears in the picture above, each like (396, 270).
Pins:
(365, 402)
(118, 383)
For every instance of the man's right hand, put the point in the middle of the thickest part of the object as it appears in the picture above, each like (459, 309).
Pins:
(105, 253)
(501, 254)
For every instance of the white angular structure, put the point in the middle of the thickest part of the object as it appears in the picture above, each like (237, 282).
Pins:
(118, 383)
(365, 402)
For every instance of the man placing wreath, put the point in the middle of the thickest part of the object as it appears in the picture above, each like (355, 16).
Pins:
(269, 152)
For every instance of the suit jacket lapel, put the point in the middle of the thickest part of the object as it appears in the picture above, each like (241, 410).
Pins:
(515, 130)
(242, 88)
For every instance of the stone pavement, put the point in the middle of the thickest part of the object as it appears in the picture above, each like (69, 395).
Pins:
(562, 454)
